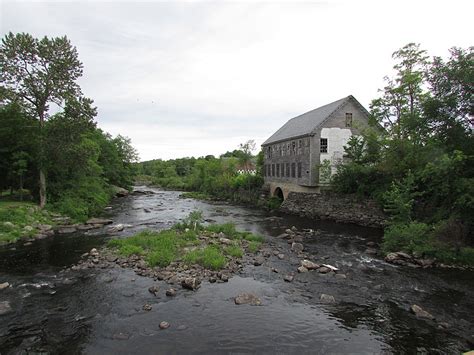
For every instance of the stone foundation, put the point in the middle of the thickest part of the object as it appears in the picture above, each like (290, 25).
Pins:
(336, 207)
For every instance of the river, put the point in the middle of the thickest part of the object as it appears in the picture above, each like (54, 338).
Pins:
(57, 310)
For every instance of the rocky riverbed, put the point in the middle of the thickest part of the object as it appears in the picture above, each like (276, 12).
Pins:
(317, 285)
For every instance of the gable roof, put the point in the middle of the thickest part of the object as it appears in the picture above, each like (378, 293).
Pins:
(306, 123)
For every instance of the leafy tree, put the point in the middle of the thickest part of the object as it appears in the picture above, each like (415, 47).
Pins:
(38, 73)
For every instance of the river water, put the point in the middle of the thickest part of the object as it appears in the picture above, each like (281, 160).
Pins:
(57, 310)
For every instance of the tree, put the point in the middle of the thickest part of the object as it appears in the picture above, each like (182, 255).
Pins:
(400, 107)
(38, 73)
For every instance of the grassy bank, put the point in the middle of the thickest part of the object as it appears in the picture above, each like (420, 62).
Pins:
(21, 220)
(209, 246)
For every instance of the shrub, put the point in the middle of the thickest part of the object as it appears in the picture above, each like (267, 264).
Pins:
(227, 228)
(409, 237)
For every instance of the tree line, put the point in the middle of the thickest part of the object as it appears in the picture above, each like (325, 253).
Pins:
(417, 158)
(63, 158)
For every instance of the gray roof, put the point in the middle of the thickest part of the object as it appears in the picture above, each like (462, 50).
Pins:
(307, 122)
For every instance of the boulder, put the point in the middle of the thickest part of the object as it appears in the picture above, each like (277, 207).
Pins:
(94, 252)
(99, 221)
(324, 270)
(324, 298)
(191, 283)
(8, 225)
(147, 307)
(116, 228)
(225, 241)
(420, 312)
(281, 256)
(288, 278)
(153, 289)
(258, 261)
(247, 298)
(67, 230)
(164, 325)
(28, 229)
(297, 247)
(309, 264)
(302, 269)
(171, 292)
(4, 285)
(120, 191)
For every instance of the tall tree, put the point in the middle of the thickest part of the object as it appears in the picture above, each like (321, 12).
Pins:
(38, 73)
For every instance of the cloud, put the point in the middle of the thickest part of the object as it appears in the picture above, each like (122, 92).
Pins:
(197, 78)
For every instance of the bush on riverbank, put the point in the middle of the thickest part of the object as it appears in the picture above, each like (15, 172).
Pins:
(191, 241)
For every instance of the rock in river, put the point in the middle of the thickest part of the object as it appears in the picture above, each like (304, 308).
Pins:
(247, 298)
(324, 298)
(99, 221)
(171, 292)
(302, 269)
(164, 325)
(420, 312)
(297, 247)
(309, 264)
(191, 283)
(153, 289)
(116, 228)
(288, 278)
(147, 307)
(4, 285)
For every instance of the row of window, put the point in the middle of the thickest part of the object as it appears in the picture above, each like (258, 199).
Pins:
(283, 170)
(296, 147)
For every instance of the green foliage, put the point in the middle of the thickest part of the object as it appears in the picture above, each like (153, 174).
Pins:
(421, 167)
(234, 251)
(254, 246)
(127, 250)
(227, 228)
(409, 237)
(324, 172)
(273, 203)
(210, 257)
(15, 216)
(399, 199)
(252, 237)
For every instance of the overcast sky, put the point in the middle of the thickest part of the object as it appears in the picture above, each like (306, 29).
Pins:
(196, 78)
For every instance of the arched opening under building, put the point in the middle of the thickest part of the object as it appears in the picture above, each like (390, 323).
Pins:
(279, 193)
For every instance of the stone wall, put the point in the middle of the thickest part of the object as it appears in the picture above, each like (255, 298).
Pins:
(336, 207)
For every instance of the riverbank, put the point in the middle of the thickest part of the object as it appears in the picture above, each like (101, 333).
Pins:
(101, 310)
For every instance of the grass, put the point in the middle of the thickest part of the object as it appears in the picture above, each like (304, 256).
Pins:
(15, 216)
(254, 246)
(234, 251)
(210, 257)
(162, 248)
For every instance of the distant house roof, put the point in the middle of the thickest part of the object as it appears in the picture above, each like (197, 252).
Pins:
(306, 123)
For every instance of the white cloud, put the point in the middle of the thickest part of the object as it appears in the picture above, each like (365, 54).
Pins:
(197, 78)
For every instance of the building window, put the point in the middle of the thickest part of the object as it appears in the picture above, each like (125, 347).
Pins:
(324, 145)
(348, 119)
(293, 147)
(278, 170)
(288, 169)
(269, 154)
(282, 169)
(299, 170)
(273, 169)
(293, 166)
